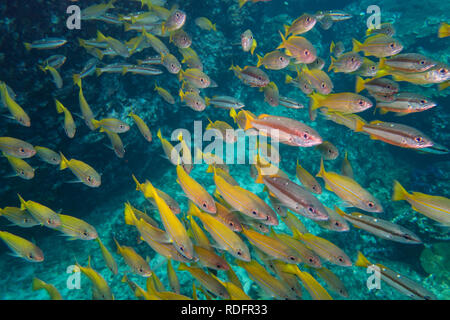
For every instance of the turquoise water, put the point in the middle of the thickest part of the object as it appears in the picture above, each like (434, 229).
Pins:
(376, 164)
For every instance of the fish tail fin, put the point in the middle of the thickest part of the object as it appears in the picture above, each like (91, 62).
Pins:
(322, 171)
(129, 215)
(76, 78)
(382, 63)
(443, 85)
(100, 36)
(159, 135)
(22, 202)
(27, 46)
(95, 123)
(260, 59)
(98, 71)
(359, 125)
(117, 244)
(242, 2)
(286, 30)
(399, 192)
(138, 184)
(207, 101)
(339, 211)
(180, 75)
(181, 94)
(248, 119)
(359, 84)
(356, 45)
(443, 30)
(127, 26)
(362, 261)
(332, 46)
(233, 115)
(64, 162)
(193, 210)
(333, 60)
(214, 27)
(314, 103)
(283, 40)
(254, 45)
(183, 267)
(210, 169)
(37, 284)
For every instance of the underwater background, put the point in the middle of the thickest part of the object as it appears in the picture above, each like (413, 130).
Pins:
(376, 164)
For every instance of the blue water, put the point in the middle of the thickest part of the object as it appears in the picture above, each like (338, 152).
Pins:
(376, 164)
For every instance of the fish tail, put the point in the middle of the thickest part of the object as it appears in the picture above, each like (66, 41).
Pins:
(37, 284)
(233, 115)
(98, 71)
(382, 63)
(181, 94)
(76, 78)
(283, 40)
(443, 85)
(180, 75)
(210, 169)
(129, 216)
(64, 162)
(359, 84)
(332, 46)
(95, 123)
(443, 30)
(214, 27)
(117, 244)
(100, 36)
(339, 211)
(183, 267)
(22, 202)
(159, 135)
(260, 60)
(248, 119)
(59, 106)
(286, 30)
(399, 192)
(27, 46)
(314, 103)
(356, 45)
(322, 171)
(362, 261)
(138, 185)
(207, 101)
(259, 178)
(331, 64)
(359, 125)
(289, 79)
(254, 44)
(193, 210)
(242, 2)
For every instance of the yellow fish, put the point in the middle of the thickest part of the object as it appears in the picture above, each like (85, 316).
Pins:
(20, 167)
(43, 214)
(69, 123)
(173, 278)
(134, 260)
(76, 228)
(142, 126)
(38, 284)
(86, 111)
(55, 74)
(16, 111)
(48, 155)
(85, 173)
(108, 257)
(100, 287)
(22, 248)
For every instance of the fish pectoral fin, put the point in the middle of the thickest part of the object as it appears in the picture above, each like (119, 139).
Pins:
(74, 181)
(373, 137)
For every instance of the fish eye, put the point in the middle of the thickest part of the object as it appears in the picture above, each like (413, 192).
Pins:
(310, 209)
(392, 45)
(254, 212)
(305, 136)
(311, 260)
(329, 151)
(181, 248)
(422, 62)
(340, 259)
(443, 70)
(231, 224)
(141, 270)
(292, 258)
(423, 101)
(21, 150)
(218, 266)
(360, 102)
(337, 224)
(418, 139)
(352, 59)
(372, 68)
(281, 58)
(30, 255)
(308, 19)
(85, 233)
(89, 179)
(323, 85)
(22, 172)
(370, 204)
(204, 205)
(306, 52)
(239, 252)
(388, 86)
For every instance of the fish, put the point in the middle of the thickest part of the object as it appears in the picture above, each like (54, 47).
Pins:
(85, 109)
(222, 234)
(286, 130)
(226, 131)
(337, 49)
(210, 259)
(180, 38)
(171, 153)
(244, 201)
(379, 46)
(19, 217)
(164, 94)
(325, 249)
(299, 48)
(301, 25)
(290, 103)
(197, 234)
(55, 61)
(14, 108)
(173, 226)
(328, 150)
(55, 75)
(271, 94)
(235, 292)
(191, 58)
(38, 284)
(251, 76)
(384, 28)
(288, 279)
(228, 217)
(76, 228)
(380, 228)
(444, 30)
(349, 190)
(295, 197)
(22, 248)
(406, 103)
(377, 85)
(349, 120)
(314, 288)
(248, 42)
(96, 10)
(195, 192)
(271, 285)
(206, 280)
(155, 43)
(134, 260)
(396, 134)
(142, 70)
(174, 21)
(272, 246)
(45, 44)
(438, 74)
(118, 68)
(21, 168)
(205, 24)
(174, 283)
(84, 172)
(433, 207)
(293, 223)
(318, 79)
(224, 102)
(242, 2)
(16, 148)
(108, 257)
(345, 102)
(116, 45)
(274, 60)
(300, 82)
(100, 286)
(142, 126)
(111, 124)
(41, 213)
(346, 63)
(346, 167)
(69, 124)
(334, 223)
(193, 100)
(332, 281)
(195, 77)
(397, 281)
(408, 62)
(368, 68)
(171, 63)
